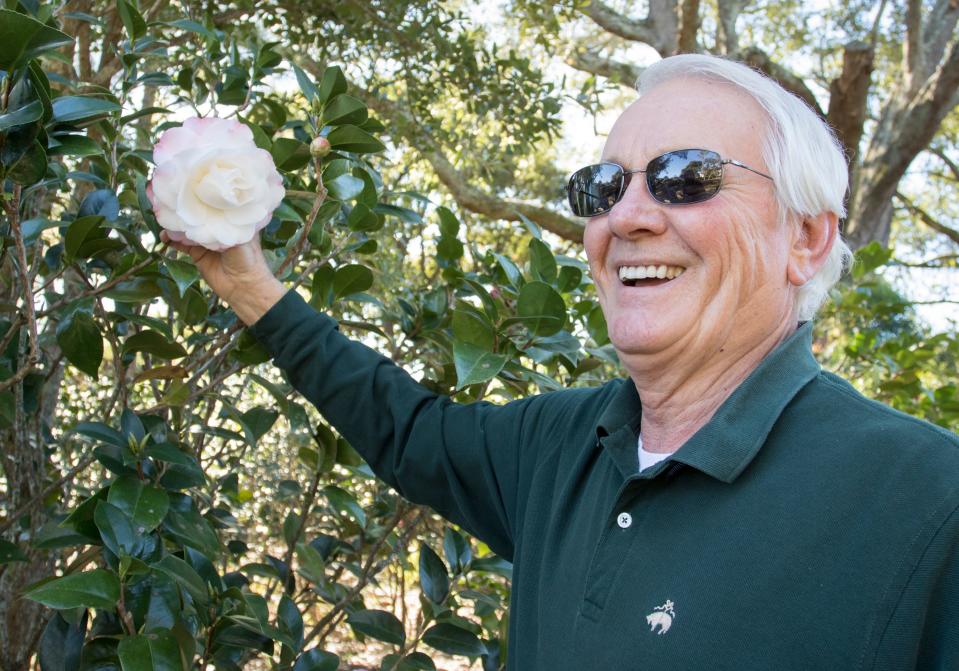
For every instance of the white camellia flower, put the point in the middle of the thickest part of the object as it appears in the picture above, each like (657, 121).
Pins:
(212, 185)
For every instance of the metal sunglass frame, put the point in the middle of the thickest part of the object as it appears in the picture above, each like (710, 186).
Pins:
(624, 179)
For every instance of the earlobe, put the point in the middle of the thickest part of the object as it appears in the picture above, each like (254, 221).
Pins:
(814, 238)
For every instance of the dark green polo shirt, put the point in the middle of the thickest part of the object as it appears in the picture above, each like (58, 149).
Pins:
(804, 527)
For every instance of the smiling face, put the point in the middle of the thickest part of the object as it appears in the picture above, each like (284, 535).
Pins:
(727, 256)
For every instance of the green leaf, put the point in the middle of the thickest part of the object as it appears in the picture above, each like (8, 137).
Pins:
(135, 26)
(380, 624)
(73, 145)
(416, 661)
(81, 343)
(23, 38)
(344, 109)
(185, 576)
(101, 432)
(79, 231)
(513, 276)
(26, 114)
(192, 529)
(31, 166)
(474, 364)
(434, 578)
(290, 154)
(343, 502)
(317, 660)
(473, 327)
(183, 273)
(151, 342)
(869, 258)
(351, 279)
(156, 651)
(453, 640)
(81, 108)
(98, 588)
(290, 623)
(541, 261)
(61, 643)
(457, 550)
(352, 138)
(306, 84)
(541, 308)
(10, 553)
(193, 27)
(344, 187)
(332, 83)
(102, 202)
(116, 530)
(311, 564)
(144, 504)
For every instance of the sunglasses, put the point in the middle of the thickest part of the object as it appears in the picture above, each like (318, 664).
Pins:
(681, 177)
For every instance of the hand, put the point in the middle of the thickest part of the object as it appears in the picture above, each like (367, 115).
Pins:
(239, 275)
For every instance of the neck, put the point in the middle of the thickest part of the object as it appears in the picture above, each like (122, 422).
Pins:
(677, 403)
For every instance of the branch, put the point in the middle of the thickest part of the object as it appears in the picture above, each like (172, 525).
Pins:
(757, 58)
(912, 56)
(927, 219)
(940, 26)
(847, 97)
(624, 74)
(467, 196)
(727, 36)
(945, 159)
(660, 28)
(689, 26)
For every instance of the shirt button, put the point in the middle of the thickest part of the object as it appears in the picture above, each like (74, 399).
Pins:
(624, 520)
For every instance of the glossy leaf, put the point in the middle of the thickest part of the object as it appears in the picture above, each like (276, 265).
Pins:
(9, 553)
(475, 365)
(81, 108)
(541, 308)
(61, 643)
(457, 550)
(98, 588)
(317, 660)
(116, 529)
(185, 576)
(434, 578)
(144, 504)
(151, 342)
(81, 343)
(26, 114)
(23, 37)
(351, 279)
(379, 624)
(344, 109)
(354, 139)
(156, 651)
(453, 640)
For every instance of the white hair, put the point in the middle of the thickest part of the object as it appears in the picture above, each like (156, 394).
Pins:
(804, 158)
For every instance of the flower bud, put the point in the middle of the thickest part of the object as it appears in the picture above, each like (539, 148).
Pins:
(320, 147)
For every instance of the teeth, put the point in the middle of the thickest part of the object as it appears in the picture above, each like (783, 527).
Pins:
(649, 272)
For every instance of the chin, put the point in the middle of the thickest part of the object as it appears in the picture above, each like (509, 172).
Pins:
(640, 336)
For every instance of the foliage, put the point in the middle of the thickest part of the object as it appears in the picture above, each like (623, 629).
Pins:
(169, 499)
(191, 511)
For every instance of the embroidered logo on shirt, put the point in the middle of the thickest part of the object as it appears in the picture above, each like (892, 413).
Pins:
(662, 617)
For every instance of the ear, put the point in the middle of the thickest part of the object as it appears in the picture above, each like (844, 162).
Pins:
(812, 241)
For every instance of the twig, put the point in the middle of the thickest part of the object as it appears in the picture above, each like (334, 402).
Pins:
(98, 290)
(86, 461)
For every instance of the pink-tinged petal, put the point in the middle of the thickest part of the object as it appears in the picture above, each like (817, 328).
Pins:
(172, 142)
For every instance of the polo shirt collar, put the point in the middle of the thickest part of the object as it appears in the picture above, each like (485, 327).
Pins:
(730, 440)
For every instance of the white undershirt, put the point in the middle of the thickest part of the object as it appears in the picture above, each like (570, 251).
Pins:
(647, 459)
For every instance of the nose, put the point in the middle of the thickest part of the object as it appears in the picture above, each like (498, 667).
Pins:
(637, 213)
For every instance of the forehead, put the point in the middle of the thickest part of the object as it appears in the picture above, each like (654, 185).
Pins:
(686, 114)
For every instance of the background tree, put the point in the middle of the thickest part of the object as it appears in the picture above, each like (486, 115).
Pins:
(166, 495)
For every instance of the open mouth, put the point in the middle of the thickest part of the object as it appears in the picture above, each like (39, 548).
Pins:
(639, 276)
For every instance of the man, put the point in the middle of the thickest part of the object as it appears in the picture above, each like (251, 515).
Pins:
(729, 505)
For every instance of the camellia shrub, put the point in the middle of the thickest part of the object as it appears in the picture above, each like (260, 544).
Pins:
(170, 501)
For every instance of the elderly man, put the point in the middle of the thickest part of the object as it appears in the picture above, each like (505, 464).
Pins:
(728, 505)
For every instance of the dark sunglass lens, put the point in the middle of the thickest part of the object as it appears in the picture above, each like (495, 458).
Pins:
(687, 176)
(594, 189)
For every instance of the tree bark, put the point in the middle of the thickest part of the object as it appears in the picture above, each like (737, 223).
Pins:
(847, 100)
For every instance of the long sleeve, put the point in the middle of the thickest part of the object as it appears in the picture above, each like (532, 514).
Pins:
(463, 461)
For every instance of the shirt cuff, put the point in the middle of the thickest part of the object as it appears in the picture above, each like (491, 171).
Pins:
(290, 313)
